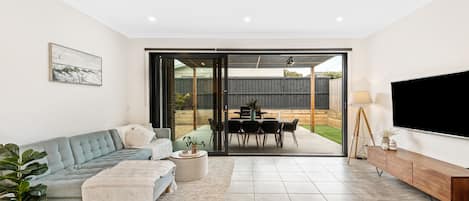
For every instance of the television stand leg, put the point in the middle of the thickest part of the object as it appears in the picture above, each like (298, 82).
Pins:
(380, 172)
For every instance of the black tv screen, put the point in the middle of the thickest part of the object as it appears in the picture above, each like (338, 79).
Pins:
(437, 104)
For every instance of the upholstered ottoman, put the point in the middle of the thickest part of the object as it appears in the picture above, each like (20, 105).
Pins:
(131, 180)
(190, 168)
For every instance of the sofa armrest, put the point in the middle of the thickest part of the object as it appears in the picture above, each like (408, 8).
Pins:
(163, 132)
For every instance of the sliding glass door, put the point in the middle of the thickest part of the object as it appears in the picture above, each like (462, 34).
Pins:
(196, 94)
(191, 98)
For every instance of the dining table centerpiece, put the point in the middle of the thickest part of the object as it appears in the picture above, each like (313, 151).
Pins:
(254, 107)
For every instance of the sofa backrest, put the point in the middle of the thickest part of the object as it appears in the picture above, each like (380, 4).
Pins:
(59, 153)
(92, 145)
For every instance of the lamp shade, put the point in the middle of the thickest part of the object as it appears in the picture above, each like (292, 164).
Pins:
(361, 97)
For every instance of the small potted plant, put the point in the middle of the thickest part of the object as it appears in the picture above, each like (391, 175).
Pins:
(17, 171)
(254, 108)
(193, 143)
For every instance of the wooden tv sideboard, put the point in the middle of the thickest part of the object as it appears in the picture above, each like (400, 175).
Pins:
(439, 179)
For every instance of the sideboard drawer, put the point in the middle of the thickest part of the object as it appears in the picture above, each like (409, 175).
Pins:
(433, 182)
(377, 157)
(399, 168)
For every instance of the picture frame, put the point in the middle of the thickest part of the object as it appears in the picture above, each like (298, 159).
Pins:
(72, 66)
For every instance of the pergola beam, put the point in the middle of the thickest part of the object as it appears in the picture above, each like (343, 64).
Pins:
(194, 97)
(313, 101)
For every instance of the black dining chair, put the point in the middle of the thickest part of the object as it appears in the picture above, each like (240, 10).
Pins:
(213, 128)
(251, 128)
(234, 127)
(271, 127)
(244, 112)
(291, 128)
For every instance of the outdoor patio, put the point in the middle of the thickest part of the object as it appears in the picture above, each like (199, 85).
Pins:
(308, 143)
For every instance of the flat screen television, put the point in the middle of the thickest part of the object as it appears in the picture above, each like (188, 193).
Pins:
(438, 104)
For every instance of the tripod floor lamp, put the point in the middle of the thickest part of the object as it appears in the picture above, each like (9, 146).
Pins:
(360, 98)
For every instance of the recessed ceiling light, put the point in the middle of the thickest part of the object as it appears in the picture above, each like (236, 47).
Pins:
(247, 19)
(151, 19)
(339, 19)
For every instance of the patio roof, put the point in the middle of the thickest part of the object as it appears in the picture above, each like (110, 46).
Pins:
(264, 61)
(276, 61)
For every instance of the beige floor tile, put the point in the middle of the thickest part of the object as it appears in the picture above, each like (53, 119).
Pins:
(271, 197)
(294, 176)
(306, 197)
(301, 187)
(333, 187)
(241, 187)
(269, 187)
(342, 197)
(239, 197)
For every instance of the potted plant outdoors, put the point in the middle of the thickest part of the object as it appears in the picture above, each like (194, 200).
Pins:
(193, 143)
(17, 170)
(254, 108)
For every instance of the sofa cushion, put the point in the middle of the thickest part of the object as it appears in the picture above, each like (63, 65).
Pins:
(90, 146)
(116, 157)
(67, 187)
(64, 188)
(59, 153)
(138, 136)
(117, 139)
(123, 131)
(66, 183)
(161, 148)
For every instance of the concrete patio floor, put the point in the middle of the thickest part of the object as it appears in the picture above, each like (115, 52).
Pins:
(308, 143)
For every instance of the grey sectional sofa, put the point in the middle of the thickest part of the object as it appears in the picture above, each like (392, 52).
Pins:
(73, 160)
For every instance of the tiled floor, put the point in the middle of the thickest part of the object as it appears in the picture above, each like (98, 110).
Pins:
(313, 179)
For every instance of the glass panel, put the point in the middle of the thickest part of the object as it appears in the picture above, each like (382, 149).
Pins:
(300, 92)
(194, 105)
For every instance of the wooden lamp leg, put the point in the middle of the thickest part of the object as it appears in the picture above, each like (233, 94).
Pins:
(355, 135)
(369, 128)
(358, 133)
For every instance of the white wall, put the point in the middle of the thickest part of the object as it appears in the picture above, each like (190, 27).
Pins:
(31, 107)
(432, 41)
(138, 86)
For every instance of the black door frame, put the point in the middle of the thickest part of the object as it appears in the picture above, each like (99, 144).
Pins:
(223, 53)
(158, 73)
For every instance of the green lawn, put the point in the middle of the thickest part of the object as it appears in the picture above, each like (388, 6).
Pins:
(328, 132)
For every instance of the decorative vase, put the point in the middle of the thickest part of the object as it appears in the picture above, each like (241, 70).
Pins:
(253, 114)
(385, 143)
(194, 149)
(393, 145)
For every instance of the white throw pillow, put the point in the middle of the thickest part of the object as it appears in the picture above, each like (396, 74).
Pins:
(138, 136)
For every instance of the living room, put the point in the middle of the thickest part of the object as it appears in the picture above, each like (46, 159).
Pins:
(83, 121)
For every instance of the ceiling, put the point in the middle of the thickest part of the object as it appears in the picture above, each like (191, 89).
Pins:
(247, 18)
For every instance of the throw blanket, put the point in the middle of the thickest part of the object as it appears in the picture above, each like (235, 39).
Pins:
(128, 180)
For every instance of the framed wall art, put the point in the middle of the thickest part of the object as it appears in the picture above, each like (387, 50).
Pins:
(67, 65)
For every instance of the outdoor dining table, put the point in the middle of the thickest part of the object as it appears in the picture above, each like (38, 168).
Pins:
(260, 113)
(282, 122)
